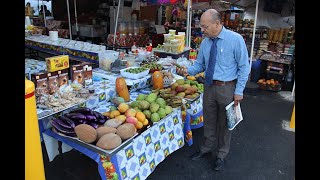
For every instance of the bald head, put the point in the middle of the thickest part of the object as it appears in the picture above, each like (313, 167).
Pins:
(210, 23)
(213, 14)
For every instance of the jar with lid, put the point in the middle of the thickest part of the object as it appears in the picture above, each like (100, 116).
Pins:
(275, 36)
(270, 34)
(280, 37)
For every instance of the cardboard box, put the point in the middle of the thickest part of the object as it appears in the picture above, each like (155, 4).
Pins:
(53, 82)
(56, 63)
(87, 71)
(41, 83)
(77, 75)
(63, 77)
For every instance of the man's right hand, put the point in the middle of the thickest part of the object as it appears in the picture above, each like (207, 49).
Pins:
(182, 71)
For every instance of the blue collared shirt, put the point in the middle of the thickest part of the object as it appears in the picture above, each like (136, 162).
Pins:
(232, 59)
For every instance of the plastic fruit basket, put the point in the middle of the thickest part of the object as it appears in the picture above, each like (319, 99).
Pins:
(133, 75)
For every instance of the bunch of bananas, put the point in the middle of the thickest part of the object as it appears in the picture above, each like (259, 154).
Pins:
(166, 93)
(200, 74)
(174, 101)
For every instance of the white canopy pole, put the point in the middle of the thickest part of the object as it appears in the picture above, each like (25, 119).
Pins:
(189, 40)
(188, 24)
(44, 15)
(116, 24)
(69, 19)
(75, 15)
(254, 33)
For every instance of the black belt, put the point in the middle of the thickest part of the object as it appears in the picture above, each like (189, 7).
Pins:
(222, 83)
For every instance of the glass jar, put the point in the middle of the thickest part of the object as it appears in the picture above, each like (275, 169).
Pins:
(275, 36)
(270, 34)
(280, 37)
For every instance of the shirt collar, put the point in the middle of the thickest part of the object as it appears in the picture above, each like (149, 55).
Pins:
(222, 33)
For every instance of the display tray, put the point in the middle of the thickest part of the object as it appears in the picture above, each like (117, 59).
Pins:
(132, 75)
(45, 115)
(161, 51)
(103, 151)
(96, 148)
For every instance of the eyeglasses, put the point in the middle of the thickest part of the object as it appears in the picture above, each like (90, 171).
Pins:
(204, 26)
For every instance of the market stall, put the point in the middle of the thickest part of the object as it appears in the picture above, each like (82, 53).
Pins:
(143, 152)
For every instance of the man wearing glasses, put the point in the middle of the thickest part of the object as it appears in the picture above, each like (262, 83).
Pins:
(223, 56)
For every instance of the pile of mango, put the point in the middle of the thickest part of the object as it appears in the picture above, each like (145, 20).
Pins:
(153, 107)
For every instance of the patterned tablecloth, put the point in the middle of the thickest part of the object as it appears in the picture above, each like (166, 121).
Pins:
(192, 116)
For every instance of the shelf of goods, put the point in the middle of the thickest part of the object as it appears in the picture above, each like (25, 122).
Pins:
(77, 50)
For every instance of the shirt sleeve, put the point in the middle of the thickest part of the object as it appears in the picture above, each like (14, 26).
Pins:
(199, 65)
(241, 55)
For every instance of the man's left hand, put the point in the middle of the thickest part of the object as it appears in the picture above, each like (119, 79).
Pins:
(237, 99)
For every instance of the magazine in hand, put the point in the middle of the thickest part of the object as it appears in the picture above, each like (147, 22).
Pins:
(234, 115)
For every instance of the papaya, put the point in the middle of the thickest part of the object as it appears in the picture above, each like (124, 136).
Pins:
(122, 89)
(157, 80)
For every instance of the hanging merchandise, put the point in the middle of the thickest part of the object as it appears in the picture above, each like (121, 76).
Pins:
(173, 1)
(163, 1)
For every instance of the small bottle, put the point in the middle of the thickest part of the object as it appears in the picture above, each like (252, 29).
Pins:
(133, 47)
